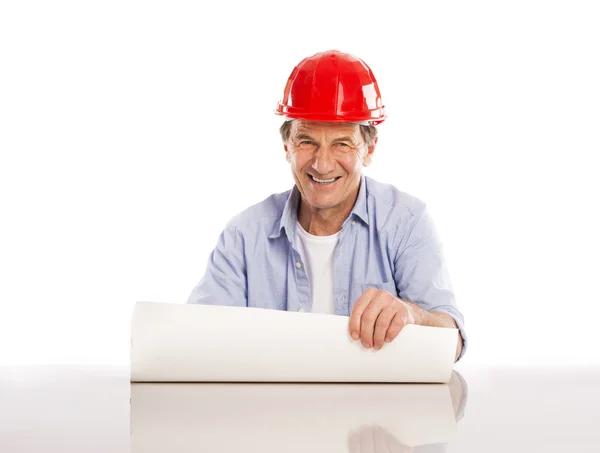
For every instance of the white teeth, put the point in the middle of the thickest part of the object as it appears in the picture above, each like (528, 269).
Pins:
(323, 181)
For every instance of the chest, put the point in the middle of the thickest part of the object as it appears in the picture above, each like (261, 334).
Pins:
(279, 273)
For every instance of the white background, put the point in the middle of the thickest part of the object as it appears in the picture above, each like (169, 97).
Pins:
(131, 132)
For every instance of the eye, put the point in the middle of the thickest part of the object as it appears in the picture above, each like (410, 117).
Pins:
(305, 143)
(342, 145)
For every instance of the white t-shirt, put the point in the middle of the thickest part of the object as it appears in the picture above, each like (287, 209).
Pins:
(317, 255)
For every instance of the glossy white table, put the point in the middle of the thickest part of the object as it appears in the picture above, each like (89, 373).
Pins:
(96, 409)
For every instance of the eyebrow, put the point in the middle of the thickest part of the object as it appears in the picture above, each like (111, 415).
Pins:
(303, 137)
(339, 139)
(345, 139)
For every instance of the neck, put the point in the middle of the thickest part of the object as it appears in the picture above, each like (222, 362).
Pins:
(323, 222)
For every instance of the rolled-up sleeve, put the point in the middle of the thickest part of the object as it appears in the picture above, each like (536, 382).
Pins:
(225, 279)
(421, 272)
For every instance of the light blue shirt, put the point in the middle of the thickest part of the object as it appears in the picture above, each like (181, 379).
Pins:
(388, 242)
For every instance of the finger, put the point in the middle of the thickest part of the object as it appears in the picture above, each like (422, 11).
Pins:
(367, 321)
(366, 440)
(382, 440)
(398, 322)
(382, 325)
(354, 442)
(357, 311)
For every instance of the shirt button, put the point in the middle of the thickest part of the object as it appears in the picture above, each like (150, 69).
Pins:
(301, 310)
(298, 264)
(353, 222)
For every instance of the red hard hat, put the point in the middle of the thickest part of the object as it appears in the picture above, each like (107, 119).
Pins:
(332, 86)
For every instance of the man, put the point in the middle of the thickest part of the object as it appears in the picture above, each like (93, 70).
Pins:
(338, 242)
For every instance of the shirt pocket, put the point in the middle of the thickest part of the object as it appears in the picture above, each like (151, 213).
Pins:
(390, 287)
(358, 288)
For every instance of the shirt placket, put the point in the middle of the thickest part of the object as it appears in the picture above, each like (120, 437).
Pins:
(301, 281)
(341, 268)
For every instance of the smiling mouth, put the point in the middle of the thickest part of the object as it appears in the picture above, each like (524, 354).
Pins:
(324, 181)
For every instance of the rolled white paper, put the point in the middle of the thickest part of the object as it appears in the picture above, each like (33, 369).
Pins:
(202, 343)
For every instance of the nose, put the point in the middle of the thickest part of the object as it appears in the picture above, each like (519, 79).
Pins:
(323, 161)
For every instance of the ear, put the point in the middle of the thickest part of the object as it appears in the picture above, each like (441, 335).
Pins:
(370, 150)
(287, 152)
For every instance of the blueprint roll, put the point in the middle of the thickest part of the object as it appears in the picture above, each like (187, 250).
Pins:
(202, 343)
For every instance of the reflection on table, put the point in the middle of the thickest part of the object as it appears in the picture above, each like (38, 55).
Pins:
(228, 417)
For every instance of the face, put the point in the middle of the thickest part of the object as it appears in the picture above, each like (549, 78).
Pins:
(326, 161)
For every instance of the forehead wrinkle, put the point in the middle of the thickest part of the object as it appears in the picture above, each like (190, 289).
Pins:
(303, 129)
(304, 125)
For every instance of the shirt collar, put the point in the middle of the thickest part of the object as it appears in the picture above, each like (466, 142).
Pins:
(289, 217)
(360, 207)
